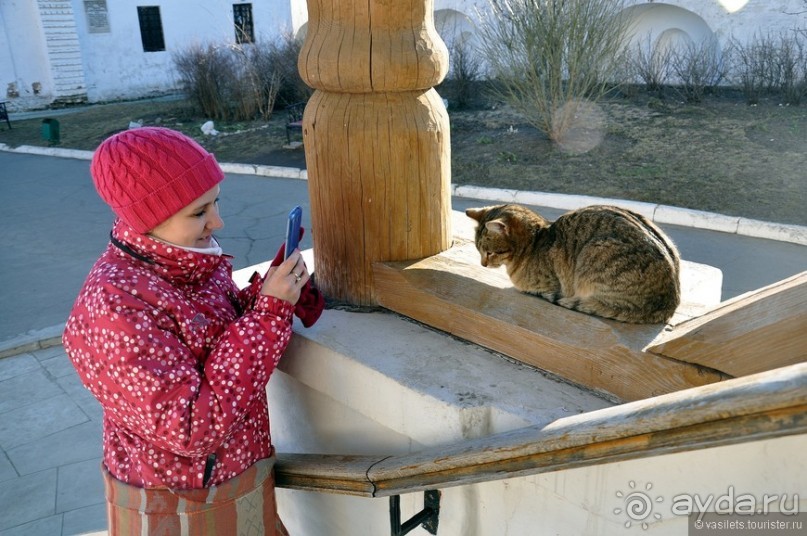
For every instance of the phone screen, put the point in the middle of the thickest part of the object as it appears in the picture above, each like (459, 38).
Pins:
(293, 230)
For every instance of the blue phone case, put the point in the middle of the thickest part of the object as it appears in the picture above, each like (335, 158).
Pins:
(293, 230)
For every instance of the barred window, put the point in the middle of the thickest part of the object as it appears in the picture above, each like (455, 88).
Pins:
(242, 17)
(151, 28)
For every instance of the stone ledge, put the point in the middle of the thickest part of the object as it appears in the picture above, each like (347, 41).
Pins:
(426, 385)
(404, 371)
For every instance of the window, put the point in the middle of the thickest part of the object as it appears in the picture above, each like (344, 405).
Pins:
(242, 17)
(151, 28)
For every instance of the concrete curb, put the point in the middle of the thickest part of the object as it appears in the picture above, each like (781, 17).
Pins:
(265, 171)
(48, 151)
(32, 340)
(684, 217)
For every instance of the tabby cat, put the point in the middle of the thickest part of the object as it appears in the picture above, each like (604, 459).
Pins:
(600, 260)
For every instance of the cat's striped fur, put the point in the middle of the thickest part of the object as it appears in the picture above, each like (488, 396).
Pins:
(600, 260)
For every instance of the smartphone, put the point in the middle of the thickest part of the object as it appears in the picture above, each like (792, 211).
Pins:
(293, 230)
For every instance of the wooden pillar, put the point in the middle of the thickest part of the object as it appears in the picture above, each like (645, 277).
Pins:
(376, 139)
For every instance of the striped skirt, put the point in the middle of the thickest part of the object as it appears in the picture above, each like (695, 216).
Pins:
(242, 506)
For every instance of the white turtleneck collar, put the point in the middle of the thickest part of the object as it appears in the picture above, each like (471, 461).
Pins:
(215, 249)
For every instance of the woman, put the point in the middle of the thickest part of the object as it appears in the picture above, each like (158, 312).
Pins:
(177, 356)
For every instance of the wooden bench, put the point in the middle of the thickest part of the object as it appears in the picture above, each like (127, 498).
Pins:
(295, 119)
(4, 114)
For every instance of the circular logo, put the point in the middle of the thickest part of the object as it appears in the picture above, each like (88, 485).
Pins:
(638, 505)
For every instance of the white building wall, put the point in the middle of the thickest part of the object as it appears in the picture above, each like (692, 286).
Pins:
(111, 64)
(741, 18)
(585, 501)
(25, 80)
(63, 49)
(115, 66)
(673, 22)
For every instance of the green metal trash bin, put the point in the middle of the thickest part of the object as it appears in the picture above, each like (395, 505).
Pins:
(50, 130)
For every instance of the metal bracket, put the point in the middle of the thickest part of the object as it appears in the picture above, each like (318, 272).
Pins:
(428, 517)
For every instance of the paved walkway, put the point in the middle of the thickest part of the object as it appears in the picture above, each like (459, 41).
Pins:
(54, 227)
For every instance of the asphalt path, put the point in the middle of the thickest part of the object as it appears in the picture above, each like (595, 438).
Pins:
(55, 226)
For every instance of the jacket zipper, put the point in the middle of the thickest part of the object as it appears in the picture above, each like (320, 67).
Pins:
(209, 464)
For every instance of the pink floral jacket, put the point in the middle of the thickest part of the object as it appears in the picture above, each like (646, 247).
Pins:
(179, 359)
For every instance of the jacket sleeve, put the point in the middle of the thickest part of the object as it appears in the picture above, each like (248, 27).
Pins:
(148, 381)
(308, 308)
(251, 292)
(248, 296)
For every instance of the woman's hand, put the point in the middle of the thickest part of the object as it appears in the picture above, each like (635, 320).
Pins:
(286, 280)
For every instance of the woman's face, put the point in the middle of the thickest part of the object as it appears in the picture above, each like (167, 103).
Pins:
(193, 226)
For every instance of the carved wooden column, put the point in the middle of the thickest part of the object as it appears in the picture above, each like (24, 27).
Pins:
(376, 139)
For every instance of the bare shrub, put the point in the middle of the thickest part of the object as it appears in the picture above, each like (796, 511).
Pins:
(793, 68)
(698, 68)
(771, 64)
(264, 77)
(649, 63)
(213, 77)
(463, 72)
(281, 57)
(548, 56)
(237, 82)
(203, 73)
(754, 66)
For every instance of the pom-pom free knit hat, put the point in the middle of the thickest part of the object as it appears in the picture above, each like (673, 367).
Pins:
(148, 174)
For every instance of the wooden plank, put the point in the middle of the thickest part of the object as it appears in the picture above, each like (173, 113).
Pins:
(712, 415)
(761, 406)
(332, 473)
(408, 478)
(452, 292)
(757, 331)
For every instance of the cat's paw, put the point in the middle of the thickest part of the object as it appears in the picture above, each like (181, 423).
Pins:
(569, 303)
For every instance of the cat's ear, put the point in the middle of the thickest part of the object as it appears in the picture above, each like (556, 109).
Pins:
(476, 213)
(496, 227)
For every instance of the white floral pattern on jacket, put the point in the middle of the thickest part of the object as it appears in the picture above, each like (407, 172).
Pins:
(179, 359)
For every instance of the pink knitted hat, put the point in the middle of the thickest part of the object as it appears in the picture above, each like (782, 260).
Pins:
(149, 174)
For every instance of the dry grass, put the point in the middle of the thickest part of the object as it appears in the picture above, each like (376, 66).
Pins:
(721, 155)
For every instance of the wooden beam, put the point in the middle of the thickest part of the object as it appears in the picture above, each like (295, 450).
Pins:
(330, 473)
(757, 331)
(762, 406)
(376, 137)
(397, 476)
(453, 292)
